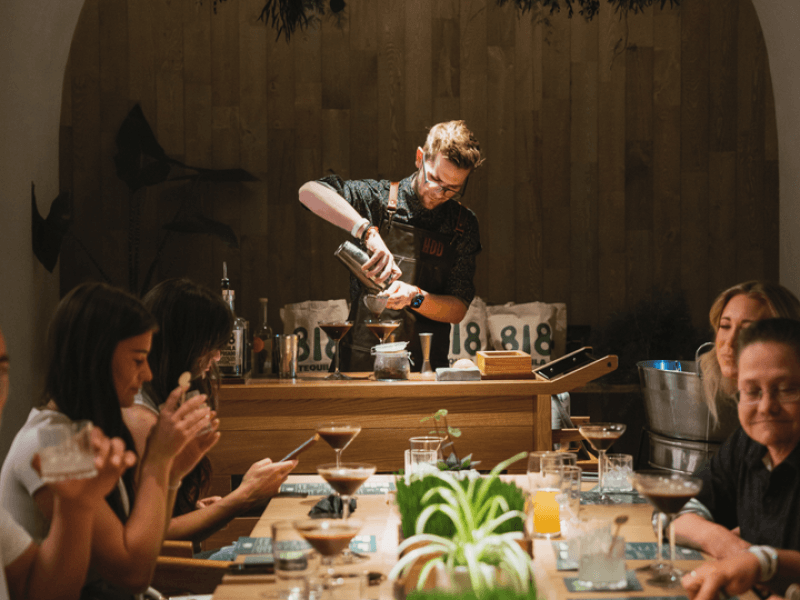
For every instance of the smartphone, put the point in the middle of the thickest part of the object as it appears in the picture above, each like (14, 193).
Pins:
(301, 448)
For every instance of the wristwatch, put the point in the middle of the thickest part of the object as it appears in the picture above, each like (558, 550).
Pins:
(418, 299)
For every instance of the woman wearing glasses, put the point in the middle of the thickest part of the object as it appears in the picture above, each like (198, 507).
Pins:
(747, 512)
(421, 240)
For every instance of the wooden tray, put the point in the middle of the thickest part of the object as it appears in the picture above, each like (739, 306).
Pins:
(506, 363)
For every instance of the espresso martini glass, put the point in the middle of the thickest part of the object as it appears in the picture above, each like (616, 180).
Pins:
(338, 435)
(382, 329)
(668, 492)
(602, 436)
(329, 537)
(346, 479)
(336, 330)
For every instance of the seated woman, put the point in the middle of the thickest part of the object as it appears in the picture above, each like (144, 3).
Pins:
(194, 324)
(736, 308)
(751, 488)
(27, 569)
(98, 342)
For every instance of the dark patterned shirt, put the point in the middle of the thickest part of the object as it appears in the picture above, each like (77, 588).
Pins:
(370, 198)
(740, 491)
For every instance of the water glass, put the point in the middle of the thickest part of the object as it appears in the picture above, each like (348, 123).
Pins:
(427, 442)
(295, 562)
(420, 462)
(66, 451)
(350, 584)
(617, 474)
(602, 559)
(569, 500)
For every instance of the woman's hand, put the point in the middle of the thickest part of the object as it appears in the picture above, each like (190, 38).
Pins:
(178, 425)
(193, 451)
(734, 575)
(263, 481)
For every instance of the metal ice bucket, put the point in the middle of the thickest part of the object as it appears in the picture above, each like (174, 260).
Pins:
(673, 401)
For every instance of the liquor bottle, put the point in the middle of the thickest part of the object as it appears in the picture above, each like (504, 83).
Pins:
(232, 359)
(262, 345)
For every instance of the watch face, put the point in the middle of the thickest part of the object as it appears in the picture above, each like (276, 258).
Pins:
(417, 301)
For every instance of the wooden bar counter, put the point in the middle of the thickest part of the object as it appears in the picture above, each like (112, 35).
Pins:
(497, 418)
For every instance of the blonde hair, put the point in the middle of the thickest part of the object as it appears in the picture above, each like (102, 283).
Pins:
(455, 142)
(781, 303)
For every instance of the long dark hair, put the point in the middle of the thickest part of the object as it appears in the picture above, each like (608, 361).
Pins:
(84, 332)
(192, 322)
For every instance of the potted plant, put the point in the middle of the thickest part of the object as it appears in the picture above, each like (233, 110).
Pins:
(478, 543)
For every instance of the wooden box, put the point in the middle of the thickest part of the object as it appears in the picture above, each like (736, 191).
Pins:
(504, 362)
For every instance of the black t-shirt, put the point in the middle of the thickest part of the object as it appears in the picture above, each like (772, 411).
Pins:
(740, 491)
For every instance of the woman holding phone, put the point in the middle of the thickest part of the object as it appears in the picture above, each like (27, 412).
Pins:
(194, 324)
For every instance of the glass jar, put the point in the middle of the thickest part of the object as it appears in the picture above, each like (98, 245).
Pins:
(391, 364)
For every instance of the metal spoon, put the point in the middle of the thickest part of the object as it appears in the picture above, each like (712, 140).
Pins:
(619, 522)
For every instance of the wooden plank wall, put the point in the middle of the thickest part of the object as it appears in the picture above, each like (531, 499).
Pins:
(626, 158)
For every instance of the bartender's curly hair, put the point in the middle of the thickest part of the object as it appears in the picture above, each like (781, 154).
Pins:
(456, 142)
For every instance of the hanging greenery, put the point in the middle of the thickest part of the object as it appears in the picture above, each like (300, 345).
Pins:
(285, 16)
(586, 8)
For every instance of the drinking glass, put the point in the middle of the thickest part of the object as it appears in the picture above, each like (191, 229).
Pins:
(546, 509)
(338, 435)
(602, 436)
(668, 492)
(66, 451)
(569, 498)
(601, 564)
(294, 561)
(329, 537)
(617, 472)
(346, 479)
(336, 331)
(382, 329)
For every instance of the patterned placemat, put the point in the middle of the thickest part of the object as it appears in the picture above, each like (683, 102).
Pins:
(323, 489)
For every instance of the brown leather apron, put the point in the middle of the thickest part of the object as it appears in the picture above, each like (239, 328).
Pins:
(425, 258)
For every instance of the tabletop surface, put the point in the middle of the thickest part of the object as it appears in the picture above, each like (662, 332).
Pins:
(381, 519)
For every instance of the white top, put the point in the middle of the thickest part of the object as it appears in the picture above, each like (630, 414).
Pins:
(19, 481)
(14, 540)
(143, 399)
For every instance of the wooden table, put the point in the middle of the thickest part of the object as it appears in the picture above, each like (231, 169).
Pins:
(381, 519)
(497, 418)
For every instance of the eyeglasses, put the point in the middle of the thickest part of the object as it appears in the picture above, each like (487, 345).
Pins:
(784, 395)
(447, 192)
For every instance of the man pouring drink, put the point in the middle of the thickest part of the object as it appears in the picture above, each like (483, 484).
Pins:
(422, 243)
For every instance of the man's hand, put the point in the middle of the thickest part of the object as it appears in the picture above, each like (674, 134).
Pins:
(399, 295)
(380, 266)
(734, 575)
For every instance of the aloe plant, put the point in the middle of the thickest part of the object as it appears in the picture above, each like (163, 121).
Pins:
(476, 516)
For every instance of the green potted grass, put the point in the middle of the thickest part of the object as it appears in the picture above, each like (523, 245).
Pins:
(467, 534)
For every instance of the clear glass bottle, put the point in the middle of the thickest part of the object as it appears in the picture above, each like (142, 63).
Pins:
(262, 344)
(232, 360)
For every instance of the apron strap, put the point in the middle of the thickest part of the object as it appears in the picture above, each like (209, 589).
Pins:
(391, 205)
(460, 223)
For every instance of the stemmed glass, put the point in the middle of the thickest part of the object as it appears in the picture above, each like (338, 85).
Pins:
(668, 492)
(336, 331)
(338, 435)
(602, 436)
(346, 479)
(329, 537)
(376, 305)
(382, 329)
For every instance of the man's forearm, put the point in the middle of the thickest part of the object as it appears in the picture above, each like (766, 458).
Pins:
(711, 538)
(447, 309)
(326, 203)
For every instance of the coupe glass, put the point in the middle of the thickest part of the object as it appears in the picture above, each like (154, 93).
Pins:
(602, 436)
(338, 435)
(329, 537)
(346, 479)
(382, 329)
(668, 492)
(336, 331)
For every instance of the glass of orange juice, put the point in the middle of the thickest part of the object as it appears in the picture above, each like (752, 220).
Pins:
(546, 513)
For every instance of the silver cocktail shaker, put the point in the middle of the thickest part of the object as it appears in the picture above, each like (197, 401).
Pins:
(354, 258)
